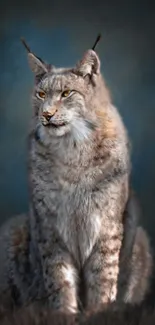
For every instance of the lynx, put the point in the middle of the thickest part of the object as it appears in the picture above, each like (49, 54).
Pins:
(79, 172)
(78, 238)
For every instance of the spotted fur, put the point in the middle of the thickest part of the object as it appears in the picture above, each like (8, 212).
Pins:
(79, 171)
(79, 184)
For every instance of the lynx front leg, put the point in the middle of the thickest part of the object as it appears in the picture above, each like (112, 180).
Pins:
(101, 270)
(60, 278)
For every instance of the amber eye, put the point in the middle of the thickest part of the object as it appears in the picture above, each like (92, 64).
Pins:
(41, 94)
(66, 93)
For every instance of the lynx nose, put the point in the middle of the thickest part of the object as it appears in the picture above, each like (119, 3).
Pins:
(48, 115)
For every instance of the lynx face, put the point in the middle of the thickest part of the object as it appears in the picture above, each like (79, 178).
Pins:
(61, 106)
(63, 98)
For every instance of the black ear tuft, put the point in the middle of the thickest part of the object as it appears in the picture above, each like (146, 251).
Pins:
(96, 41)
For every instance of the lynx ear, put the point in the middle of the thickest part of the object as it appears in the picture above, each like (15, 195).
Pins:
(36, 64)
(89, 65)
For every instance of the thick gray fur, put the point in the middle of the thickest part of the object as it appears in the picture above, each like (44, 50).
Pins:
(79, 173)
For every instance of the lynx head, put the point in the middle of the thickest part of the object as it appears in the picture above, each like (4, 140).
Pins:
(64, 99)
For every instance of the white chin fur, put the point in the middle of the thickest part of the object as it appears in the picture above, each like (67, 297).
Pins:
(80, 130)
(42, 135)
(45, 133)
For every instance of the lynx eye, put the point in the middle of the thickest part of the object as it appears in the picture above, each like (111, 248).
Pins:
(66, 93)
(41, 94)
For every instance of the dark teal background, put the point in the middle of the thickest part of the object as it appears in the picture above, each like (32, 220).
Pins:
(60, 32)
